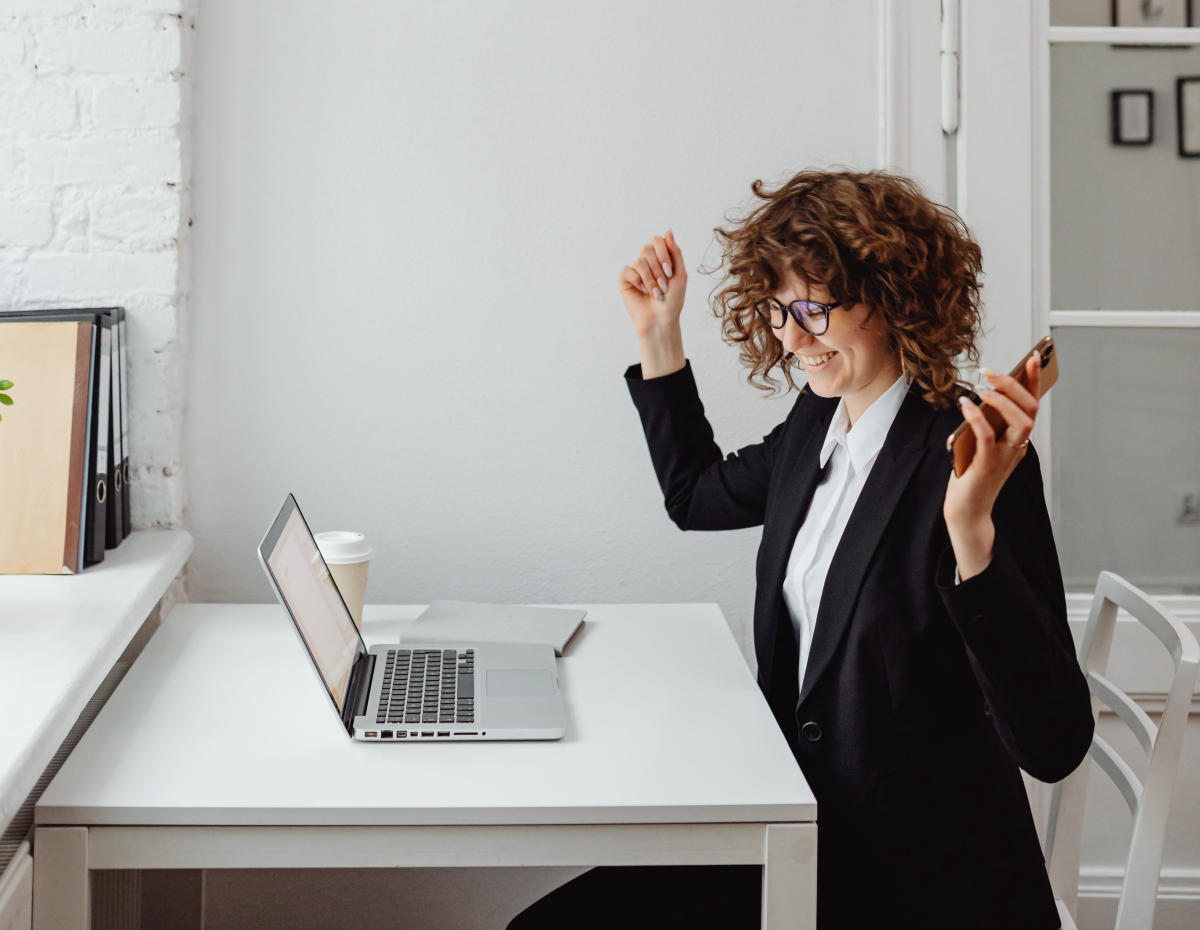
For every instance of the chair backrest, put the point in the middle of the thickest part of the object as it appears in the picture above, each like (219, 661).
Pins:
(1149, 802)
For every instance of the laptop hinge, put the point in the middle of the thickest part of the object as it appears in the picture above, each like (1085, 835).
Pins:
(359, 690)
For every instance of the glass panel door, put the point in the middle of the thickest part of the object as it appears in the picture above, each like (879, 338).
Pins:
(1126, 457)
(1125, 292)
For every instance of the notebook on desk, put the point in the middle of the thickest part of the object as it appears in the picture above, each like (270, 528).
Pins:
(427, 691)
(467, 621)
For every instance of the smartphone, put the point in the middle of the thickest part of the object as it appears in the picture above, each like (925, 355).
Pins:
(961, 443)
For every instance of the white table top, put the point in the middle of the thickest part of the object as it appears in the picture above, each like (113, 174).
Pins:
(60, 635)
(665, 724)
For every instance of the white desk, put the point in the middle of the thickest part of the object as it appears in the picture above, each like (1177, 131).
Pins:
(671, 757)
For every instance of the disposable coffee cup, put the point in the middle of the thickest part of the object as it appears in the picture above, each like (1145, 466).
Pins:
(347, 554)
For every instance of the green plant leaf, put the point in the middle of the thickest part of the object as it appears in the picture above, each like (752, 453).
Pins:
(5, 385)
(6, 400)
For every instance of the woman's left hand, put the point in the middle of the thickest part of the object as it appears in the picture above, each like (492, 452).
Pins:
(971, 496)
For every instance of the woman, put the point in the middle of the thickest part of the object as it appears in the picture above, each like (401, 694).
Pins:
(909, 625)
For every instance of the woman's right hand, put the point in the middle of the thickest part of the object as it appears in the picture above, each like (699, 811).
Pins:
(657, 269)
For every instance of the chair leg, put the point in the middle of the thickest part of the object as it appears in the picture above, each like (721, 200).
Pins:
(1068, 923)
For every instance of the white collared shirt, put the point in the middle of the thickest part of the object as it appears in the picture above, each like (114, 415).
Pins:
(847, 457)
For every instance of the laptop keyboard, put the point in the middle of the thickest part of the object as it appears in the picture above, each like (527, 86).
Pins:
(428, 686)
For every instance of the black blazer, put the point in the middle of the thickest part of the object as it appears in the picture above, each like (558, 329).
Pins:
(921, 698)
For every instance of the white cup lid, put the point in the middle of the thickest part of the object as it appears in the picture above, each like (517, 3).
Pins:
(341, 546)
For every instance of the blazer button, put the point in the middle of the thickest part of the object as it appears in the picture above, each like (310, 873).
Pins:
(811, 731)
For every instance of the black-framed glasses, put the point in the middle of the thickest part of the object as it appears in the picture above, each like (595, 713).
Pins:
(809, 315)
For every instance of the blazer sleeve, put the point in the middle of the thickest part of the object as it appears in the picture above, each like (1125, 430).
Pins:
(701, 490)
(1013, 619)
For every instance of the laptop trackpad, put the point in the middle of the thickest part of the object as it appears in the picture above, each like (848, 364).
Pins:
(519, 682)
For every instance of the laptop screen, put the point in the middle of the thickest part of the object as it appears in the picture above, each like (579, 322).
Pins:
(307, 590)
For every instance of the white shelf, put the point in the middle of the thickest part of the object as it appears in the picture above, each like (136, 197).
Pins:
(1113, 35)
(60, 635)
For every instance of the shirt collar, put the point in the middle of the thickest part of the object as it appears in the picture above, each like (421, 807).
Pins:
(866, 439)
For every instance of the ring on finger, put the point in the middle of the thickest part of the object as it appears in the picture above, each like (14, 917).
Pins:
(1017, 445)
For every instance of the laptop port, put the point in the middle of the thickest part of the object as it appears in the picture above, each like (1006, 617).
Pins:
(401, 734)
(386, 734)
(465, 734)
(372, 734)
(443, 732)
(426, 733)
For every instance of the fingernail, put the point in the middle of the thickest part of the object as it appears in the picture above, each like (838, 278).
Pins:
(667, 269)
(964, 401)
(987, 372)
(642, 288)
(658, 294)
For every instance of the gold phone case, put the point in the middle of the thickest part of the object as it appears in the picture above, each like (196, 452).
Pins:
(961, 443)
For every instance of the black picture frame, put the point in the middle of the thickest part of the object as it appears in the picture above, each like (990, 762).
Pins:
(1187, 115)
(1123, 130)
(1185, 4)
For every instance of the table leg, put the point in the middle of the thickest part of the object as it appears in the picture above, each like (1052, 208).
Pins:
(789, 894)
(61, 896)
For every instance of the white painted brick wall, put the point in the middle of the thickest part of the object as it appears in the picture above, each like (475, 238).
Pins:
(25, 222)
(123, 51)
(138, 107)
(20, 8)
(12, 50)
(95, 198)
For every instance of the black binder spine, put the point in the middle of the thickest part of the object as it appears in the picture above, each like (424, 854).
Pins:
(98, 468)
(89, 456)
(123, 371)
(114, 519)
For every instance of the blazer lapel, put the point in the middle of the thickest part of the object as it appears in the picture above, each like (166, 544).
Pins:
(802, 472)
(902, 450)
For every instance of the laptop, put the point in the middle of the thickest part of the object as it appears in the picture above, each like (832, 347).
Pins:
(393, 692)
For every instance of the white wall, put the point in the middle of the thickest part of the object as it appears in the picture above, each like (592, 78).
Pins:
(94, 198)
(409, 223)
(1081, 12)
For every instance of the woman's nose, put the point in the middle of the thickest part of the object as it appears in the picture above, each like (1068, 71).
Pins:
(793, 336)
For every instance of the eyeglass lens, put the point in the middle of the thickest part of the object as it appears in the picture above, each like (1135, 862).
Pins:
(811, 316)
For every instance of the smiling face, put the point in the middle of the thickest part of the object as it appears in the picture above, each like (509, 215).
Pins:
(853, 359)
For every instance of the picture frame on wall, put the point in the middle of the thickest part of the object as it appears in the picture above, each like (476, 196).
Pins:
(1132, 117)
(1187, 115)
(1163, 14)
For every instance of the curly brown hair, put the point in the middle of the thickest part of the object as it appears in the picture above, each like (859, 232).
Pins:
(870, 238)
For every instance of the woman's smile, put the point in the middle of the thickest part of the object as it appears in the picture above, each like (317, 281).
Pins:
(812, 362)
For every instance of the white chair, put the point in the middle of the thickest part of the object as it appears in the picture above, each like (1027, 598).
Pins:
(1150, 803)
